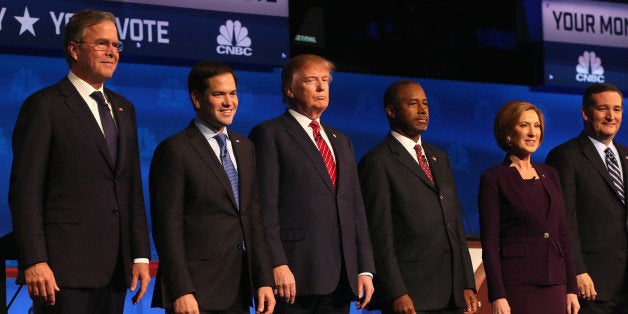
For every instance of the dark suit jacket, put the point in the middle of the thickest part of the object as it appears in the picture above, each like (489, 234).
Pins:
(596, 219)
(311, 226)
(521, 243)
(71, 207)
(416, 228)
(197, 228)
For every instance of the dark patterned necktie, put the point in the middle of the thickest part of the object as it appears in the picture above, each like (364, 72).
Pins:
(325, 151)
(613, 170)
(230, 169)
(108, 126)
(423, 162)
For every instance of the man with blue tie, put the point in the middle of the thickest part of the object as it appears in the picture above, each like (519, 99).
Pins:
(207, 224)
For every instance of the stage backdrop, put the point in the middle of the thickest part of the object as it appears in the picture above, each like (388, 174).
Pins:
(461, 119)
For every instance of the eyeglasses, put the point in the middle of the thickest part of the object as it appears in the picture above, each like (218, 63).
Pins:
(102, 45)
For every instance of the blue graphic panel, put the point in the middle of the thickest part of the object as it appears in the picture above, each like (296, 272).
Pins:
(151, 32)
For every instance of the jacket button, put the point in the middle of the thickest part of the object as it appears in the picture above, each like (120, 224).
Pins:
(546, 235)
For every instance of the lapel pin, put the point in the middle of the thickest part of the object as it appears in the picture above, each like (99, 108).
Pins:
(237, 141)
(334, 135)
(434, 158)
(120, 109)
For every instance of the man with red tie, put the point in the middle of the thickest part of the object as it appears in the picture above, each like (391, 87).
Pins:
(311, 201)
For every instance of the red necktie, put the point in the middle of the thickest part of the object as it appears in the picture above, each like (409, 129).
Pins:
(324, 150)
(423, 162)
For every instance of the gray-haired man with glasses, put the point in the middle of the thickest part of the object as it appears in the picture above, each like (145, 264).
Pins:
(76, 193)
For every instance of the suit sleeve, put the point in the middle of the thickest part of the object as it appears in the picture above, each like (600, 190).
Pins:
(566, 173)
(167, 181)
(261, 256)
(140, 242)
(377, 201)
(489, 209)
(366, 261)
(31, 147)
(268, 172)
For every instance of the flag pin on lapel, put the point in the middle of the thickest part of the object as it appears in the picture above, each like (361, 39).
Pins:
(434, 158)
(120, 109)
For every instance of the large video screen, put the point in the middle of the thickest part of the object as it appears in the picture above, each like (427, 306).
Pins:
(184, 31)
(585, 42)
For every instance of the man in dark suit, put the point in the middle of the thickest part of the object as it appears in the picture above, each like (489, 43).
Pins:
(76, 193)
(311, 201)
(421, 254)
(595, 207)
(208, 230)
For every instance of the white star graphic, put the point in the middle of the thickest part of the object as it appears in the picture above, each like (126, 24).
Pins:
(27, 22)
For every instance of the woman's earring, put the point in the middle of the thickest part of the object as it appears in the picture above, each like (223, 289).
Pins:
(509, 141)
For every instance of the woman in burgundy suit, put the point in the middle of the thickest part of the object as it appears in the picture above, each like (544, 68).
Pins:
(525, 248)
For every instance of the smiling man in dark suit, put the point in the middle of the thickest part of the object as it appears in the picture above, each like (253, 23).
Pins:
(311, 200)
(421, 254)
(596, 210)
(76, 192)
(208, 229)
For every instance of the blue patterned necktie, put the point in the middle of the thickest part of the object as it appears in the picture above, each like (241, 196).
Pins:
(613, 170)
(232, 173)
(108, 126)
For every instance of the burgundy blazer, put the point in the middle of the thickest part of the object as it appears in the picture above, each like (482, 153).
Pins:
(523, 244)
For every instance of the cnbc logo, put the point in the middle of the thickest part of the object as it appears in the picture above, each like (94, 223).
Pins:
(234, 40)
(589, 68)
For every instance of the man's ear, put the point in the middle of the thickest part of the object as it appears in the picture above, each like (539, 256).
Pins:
(289, 92)
(74, 48)
(390, 111)
(194, 96)
(585, 117)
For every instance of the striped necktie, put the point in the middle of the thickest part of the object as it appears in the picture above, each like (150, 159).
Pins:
(230, 169)
(325, 151)
(613, 170)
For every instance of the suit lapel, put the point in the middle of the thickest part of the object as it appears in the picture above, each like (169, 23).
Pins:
(406, 160)
(206, 154)
(294, 129)
(77, 105)
(623, 161)
(588, 149)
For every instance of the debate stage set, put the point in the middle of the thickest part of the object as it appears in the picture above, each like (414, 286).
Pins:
(163, 40)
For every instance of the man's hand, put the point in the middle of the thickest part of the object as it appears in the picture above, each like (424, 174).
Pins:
(403, 304)
(285, 285)
(139, 271)
(185, 304)
(471, 301)
(41, 283)
(365, 291)
(265, 301)
(586, 287)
